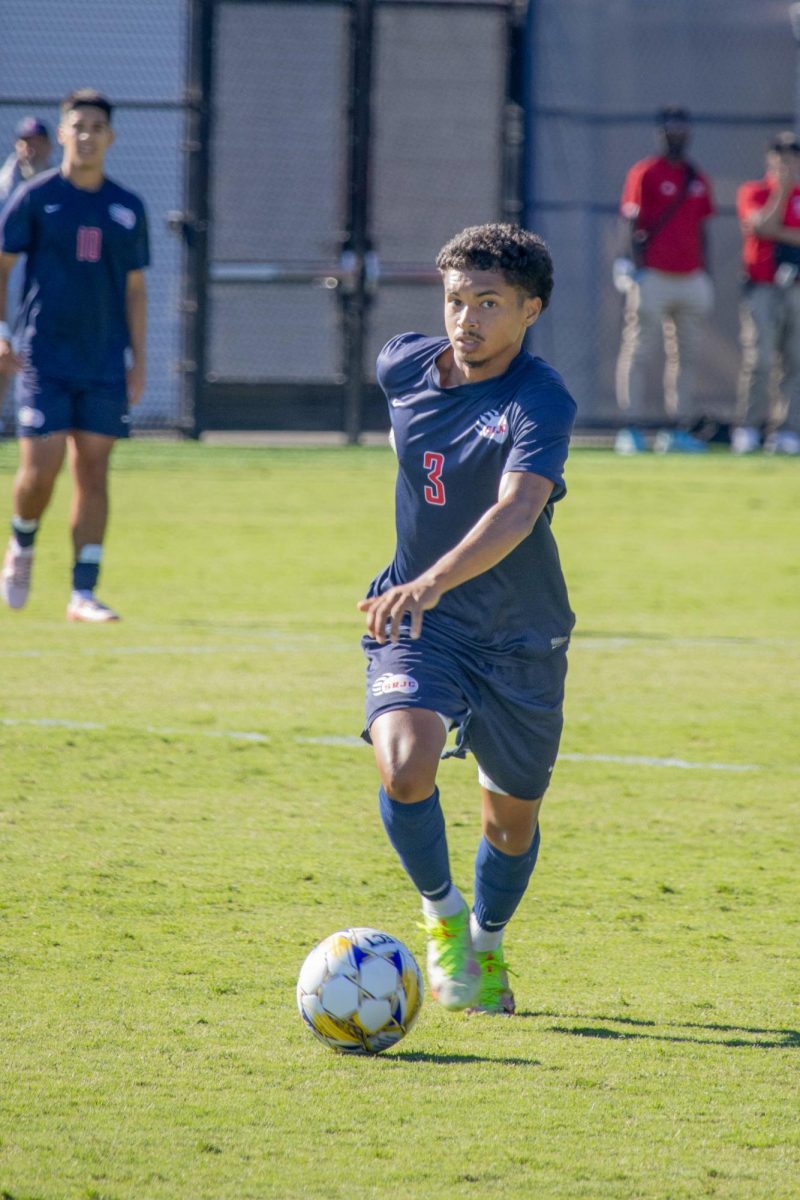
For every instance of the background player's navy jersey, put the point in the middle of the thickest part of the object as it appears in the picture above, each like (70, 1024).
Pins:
(453, 446)
(80, 247)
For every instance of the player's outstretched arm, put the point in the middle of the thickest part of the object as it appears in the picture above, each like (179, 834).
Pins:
(520, 502)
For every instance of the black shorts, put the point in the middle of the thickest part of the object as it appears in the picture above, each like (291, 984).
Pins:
(508, 706)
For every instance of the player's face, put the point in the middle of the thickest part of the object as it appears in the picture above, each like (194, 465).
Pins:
(784, 164)
(675, 136)
(33, 150)
(486, 319)
(85, 135)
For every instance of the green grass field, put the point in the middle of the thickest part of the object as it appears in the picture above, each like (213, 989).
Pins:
(184, 813)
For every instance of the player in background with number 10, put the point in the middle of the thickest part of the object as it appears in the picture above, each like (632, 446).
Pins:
(79, 349)
(469, 624)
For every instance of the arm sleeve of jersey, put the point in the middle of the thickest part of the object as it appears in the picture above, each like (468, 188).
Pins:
(631, 202)
(140, 250)
(392, 354)
(744, 202)
(16, 224)
(540, 436)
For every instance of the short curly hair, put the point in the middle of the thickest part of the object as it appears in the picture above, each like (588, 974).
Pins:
(522, 256)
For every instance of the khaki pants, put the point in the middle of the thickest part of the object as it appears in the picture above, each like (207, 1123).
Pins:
(663, 309)
(770, 341)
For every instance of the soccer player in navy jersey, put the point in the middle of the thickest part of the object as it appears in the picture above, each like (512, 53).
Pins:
(79, 344)
(468, 626)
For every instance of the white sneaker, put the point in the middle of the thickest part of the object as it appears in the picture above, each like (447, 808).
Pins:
(15, 578)
(745, 440)
(84, 606)
(630, 441)
(782, 442)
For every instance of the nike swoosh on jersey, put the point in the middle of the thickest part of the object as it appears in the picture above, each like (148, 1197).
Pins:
(402, 403)
(51, 208)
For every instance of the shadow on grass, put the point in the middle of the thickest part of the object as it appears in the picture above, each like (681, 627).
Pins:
(758, 1038)
(415, 1056)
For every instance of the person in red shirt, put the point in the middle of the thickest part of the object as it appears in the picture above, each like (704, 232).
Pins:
(666, 201)
(769, 214)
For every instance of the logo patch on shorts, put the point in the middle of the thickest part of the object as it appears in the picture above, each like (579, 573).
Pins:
(492, 425)
(400, 685)
(122, 215)
(32, 418)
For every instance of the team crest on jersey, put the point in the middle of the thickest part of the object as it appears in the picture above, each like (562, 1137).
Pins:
(394, 685)
(492, 425)
(122, 215)
(31, 418)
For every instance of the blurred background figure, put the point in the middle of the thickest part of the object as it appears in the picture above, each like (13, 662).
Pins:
(31, 155)
(769, 214)
(666, 201)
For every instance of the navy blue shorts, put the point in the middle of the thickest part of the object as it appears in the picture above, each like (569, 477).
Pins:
(46, 405)
(508, 707)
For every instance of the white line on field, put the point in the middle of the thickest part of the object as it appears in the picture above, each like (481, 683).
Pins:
(272, 641)
(625, 760)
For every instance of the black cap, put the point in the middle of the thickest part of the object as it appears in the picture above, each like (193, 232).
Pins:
(673, 116)
(785, 142)
(30, 127)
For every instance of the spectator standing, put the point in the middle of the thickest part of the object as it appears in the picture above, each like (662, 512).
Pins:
(666, 202)
(31, 155)
(769, 213)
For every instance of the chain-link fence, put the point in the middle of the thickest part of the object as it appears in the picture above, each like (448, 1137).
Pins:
(350, 139)
(278, 195)
(598, 73)
(136, 54)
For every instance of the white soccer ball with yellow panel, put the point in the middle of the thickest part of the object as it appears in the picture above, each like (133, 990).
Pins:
(360, 991)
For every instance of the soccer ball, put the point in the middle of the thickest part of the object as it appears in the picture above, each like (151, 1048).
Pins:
(360, 991)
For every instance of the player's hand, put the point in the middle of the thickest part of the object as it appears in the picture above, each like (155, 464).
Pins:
(385, 613)
(9, 361)
(135, 377)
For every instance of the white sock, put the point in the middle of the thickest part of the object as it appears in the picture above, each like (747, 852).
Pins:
(484, 939)
(448, 906)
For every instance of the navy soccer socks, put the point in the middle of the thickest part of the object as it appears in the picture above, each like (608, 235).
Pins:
(500, 882)
(86, 571)
(417, 833)
(24, 531)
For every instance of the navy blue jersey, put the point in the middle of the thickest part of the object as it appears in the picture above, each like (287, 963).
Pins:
(453, 446)
(80, 246)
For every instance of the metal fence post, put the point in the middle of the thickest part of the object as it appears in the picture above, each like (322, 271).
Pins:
(192, 224)
(357, 246)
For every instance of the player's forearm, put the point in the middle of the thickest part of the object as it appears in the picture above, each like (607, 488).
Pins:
(766, 221)
(789, 237)
(136, 313)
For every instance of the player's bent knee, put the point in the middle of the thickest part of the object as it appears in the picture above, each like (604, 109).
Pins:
(406, 782)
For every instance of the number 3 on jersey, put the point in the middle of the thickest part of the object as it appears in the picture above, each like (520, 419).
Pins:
(433, 464)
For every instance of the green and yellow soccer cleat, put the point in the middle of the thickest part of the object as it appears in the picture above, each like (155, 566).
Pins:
(453, 972)
(495, 996)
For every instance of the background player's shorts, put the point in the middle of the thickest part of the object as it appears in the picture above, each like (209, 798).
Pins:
(46, 405)
(508, 707)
